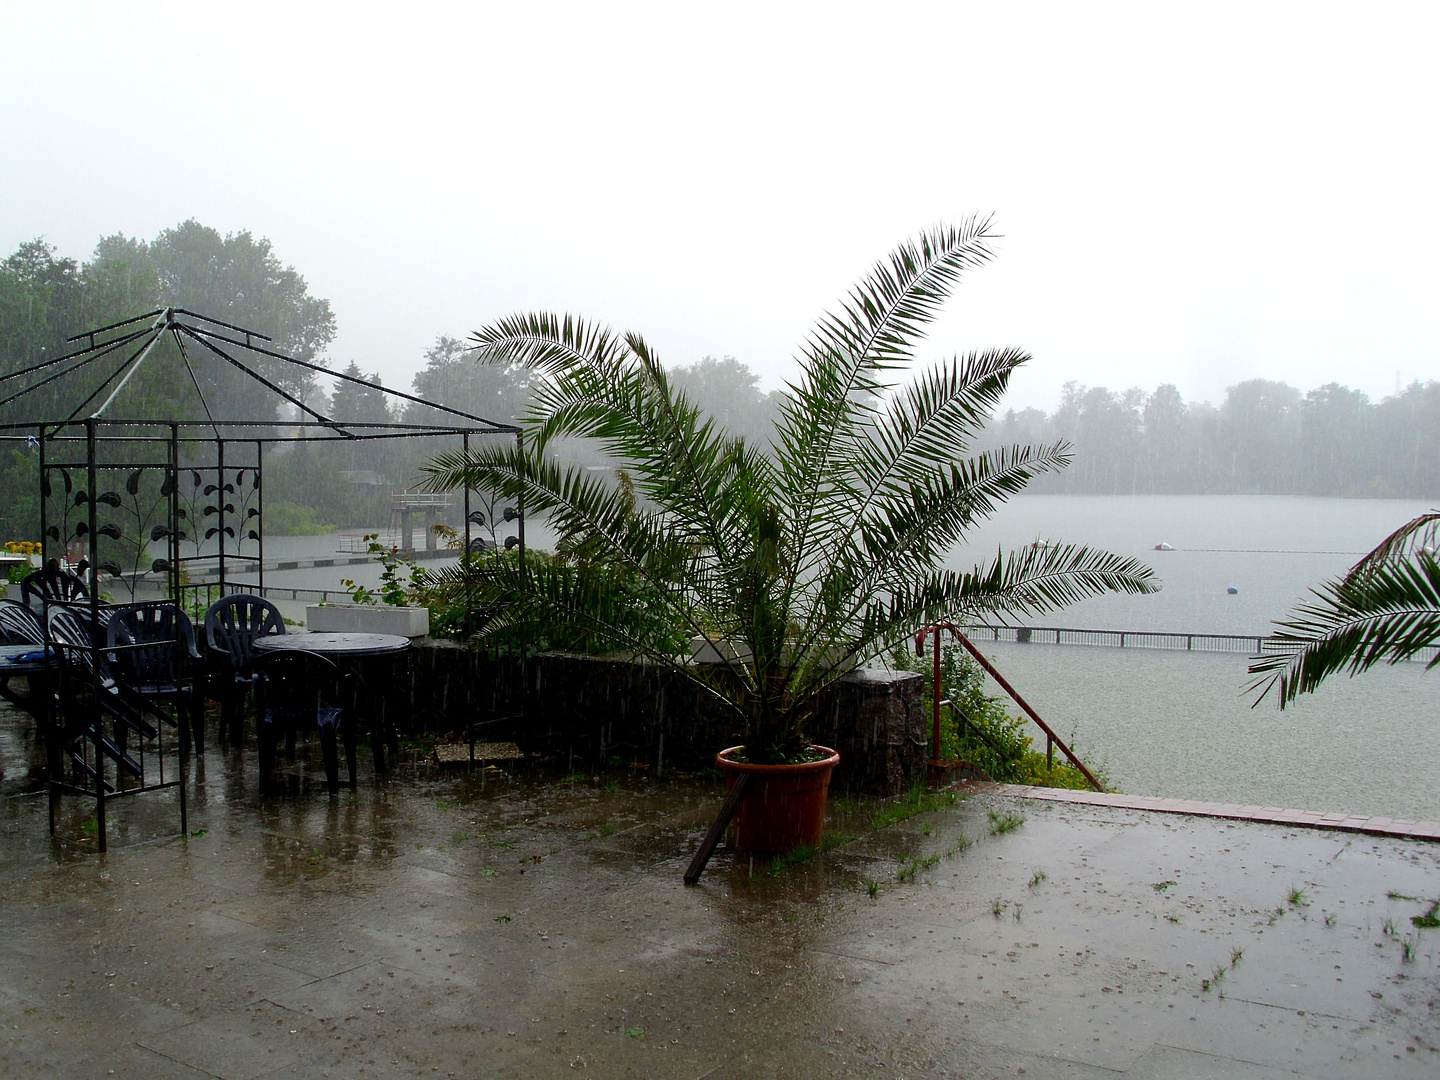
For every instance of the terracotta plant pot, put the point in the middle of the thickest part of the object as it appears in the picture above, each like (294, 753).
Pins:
(785, 806)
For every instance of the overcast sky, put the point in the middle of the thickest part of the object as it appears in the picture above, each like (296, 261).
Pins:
(1194, 194)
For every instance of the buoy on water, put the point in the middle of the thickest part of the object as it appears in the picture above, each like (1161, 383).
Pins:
(1162, 546)
(1233, 591)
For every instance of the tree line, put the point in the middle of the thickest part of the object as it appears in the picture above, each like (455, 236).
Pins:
(1266, 437)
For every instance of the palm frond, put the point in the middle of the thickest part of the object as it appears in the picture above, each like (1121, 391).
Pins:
(886, 314)
(843, 362)
(547, 343)
(1043, 577)
(1037, 578)
(1418, 534)
(907, 533)
(1389, 613)
(923, 430)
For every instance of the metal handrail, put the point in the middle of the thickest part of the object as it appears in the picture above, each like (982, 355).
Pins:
(1051, 739)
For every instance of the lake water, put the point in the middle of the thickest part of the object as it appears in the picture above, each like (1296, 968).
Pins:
(1175, 723)
(1178, 724)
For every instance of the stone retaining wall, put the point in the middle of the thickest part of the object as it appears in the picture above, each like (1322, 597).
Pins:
(586, 709)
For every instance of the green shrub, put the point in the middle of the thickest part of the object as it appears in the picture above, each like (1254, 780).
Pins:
(624, 614)
(292, 519)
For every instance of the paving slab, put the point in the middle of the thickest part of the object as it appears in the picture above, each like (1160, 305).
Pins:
(536, 926)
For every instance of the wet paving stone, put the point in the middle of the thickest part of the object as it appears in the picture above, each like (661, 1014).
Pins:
(525, 924)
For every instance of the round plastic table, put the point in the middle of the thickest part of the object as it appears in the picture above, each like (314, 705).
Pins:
(346, 648)
(334, 645)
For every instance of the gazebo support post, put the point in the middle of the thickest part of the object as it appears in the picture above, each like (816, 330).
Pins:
(220, 507)
(465, 551)
(91, 479)
(260, 506)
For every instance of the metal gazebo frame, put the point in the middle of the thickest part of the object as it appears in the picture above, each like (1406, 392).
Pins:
(87, 453)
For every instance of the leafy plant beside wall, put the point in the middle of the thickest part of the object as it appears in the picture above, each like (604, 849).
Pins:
(401, 580)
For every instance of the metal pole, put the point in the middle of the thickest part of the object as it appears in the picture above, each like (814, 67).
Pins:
(1025, 705)
(172, 549)
(465, 552)
(182, 659)
(220, 506)
(134, 367)
(935, 706)
(520, 508)
(44, 519)
(260, 520)
(52, 753)
(96, 733)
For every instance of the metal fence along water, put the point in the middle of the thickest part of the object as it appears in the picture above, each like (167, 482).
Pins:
(1245, 644)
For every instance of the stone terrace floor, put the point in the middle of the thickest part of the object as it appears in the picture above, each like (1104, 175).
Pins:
(537, 927)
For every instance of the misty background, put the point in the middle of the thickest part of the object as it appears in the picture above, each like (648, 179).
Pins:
(1264, 437)
(1194, 195)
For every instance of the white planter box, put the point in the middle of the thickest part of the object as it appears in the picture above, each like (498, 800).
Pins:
(725, 651)
(718, 651)
(409, 622)
(12, 592)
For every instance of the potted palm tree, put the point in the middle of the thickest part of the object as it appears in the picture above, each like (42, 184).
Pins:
(810, 554)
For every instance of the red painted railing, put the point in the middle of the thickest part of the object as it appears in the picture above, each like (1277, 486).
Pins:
(1051, 739)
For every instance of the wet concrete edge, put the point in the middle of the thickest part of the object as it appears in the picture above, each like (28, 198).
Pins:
(1402, 828)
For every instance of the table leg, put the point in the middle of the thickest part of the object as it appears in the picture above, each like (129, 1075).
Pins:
(362, 715)
(373, 679)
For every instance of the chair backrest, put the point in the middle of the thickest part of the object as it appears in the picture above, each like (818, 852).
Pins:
(291, 687)
(232, 623)
(70, 630)
(54, 584)
(167, 637)
(19, 625)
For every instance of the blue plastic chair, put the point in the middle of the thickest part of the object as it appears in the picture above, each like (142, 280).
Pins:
(88, 698)
(21, 626)
(53, 585)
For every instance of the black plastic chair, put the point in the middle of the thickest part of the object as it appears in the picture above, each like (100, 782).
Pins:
(231, 626)
(53, 585)
(88, 696)
(294, 693)
(152, 654)
(21, 626)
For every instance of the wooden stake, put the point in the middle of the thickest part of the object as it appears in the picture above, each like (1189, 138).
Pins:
(717, 829)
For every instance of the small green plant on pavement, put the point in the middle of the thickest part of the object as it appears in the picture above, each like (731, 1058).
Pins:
(1004, 821)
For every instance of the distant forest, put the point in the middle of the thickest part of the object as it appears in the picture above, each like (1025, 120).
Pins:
(1265, 438)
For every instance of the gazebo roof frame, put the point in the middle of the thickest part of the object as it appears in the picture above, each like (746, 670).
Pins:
(181, 325)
